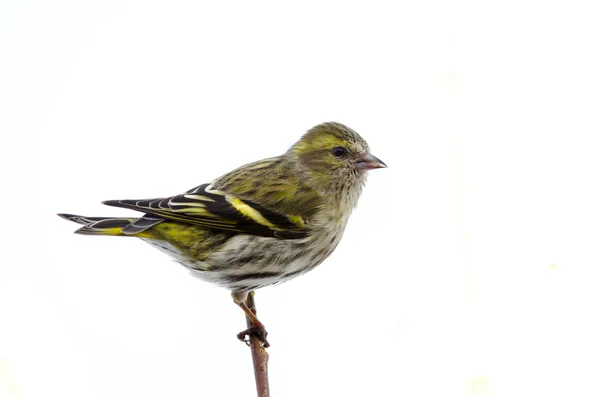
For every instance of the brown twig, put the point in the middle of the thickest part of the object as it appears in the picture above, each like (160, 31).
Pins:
(260, 357)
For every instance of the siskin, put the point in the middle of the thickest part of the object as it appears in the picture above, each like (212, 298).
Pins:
(258, 225)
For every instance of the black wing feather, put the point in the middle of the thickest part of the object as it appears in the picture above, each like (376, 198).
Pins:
(215, 209)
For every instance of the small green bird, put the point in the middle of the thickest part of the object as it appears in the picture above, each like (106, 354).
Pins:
(258, 225)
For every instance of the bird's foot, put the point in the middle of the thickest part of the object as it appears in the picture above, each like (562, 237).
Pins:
(259, 332)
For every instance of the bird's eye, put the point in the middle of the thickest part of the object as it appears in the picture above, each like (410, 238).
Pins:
(338, 151)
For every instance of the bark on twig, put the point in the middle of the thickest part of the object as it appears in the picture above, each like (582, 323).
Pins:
(260, 357)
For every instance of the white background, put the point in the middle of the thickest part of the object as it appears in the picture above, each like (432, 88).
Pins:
(470, 267)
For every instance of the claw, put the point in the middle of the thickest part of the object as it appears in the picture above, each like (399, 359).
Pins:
(259, 332)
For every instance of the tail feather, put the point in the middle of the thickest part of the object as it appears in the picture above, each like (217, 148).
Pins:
(82, 220)
(111, 226)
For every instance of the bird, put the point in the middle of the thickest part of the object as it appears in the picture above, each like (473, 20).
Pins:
(261, 224)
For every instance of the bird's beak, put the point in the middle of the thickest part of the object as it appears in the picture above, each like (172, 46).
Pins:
(368, 162)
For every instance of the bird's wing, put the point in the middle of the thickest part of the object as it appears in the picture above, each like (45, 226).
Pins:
(217, 209)
(275, 183)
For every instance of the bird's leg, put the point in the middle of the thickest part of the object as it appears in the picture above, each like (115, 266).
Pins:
(245, 300)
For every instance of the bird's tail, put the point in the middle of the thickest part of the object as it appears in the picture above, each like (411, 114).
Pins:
(105, 226)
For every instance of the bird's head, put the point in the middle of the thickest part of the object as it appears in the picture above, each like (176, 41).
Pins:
(334, 155)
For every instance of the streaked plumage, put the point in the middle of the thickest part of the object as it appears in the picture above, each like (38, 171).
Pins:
(260, 224)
